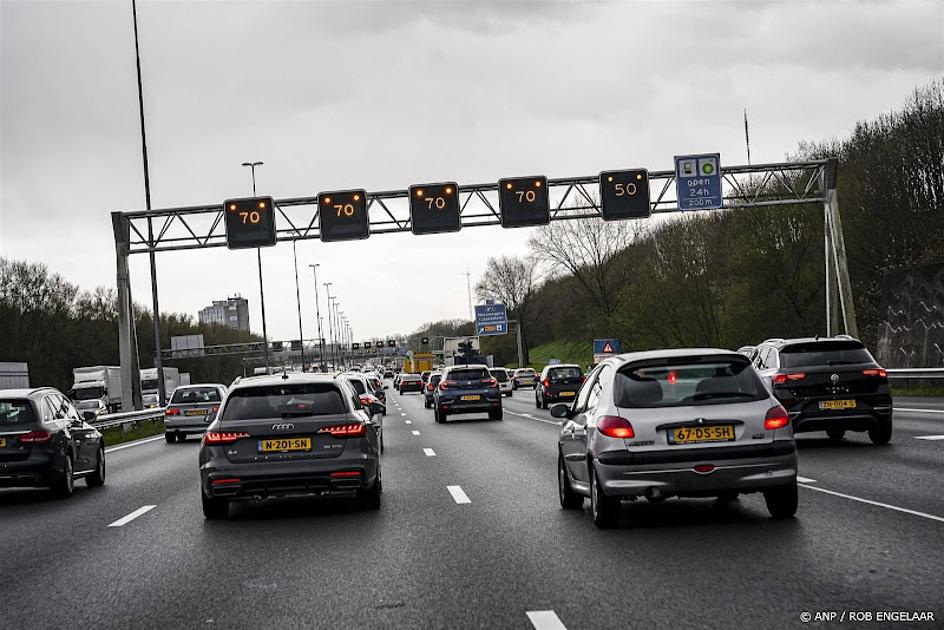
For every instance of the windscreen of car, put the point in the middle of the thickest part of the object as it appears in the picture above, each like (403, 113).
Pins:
(196, 395)
(468, 374)
(687, 381)
(150, 383)
(824, 353)
(564, 372)
(16, 412)
(290, 400)
(88, 404)
(500, 375)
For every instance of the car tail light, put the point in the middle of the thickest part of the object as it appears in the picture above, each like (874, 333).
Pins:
(444, 385)
(225, 481)
(672, 378)
(36, 437)
(355, 429)
(367, 400)
(547, 383)
(172, 411)
(780, 379)
(777, 418)
(429, 387)
(583, 378)
(345, 473)
(490, 382)
(615, 427)
(223, 437)
(876, 372)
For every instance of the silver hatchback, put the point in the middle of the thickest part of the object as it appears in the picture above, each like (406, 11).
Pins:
(674, 423)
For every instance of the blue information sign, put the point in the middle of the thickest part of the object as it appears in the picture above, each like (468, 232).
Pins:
(491, 319)
(698, 181)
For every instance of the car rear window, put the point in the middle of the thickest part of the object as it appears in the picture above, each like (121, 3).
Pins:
(824, 353)
(196, 395)
(564, 372)
(410, 377)
(435, 378)
(290, 400)
(16, 412)
(468, 374)
(358, 385)
(687, 381)
(500, 375)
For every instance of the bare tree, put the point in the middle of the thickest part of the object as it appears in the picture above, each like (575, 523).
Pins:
(587, 249)
(512, 281)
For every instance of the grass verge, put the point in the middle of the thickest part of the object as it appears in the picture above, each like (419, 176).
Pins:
(143, 429)
(930, 392)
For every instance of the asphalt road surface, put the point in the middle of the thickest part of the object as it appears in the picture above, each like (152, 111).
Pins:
(471, 535)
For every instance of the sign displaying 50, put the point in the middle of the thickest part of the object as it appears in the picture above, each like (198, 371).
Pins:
(625, 194)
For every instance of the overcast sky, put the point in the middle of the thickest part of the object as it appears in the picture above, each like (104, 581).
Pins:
(379, 95)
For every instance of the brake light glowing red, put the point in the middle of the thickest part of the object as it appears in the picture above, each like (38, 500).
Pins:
(36, 437)
(346, 473)
(704, 468)
(777, 418)
(490, 382)
(223, 437)
(615, 427)
(780, 379)
(355, 429)
(547, 383)
(876, 372)
(224, 481)
(172, 411)
(444, 385)
(672, 378)
(215, 409)
(367, 400)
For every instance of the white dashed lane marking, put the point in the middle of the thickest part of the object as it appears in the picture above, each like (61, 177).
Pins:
(124, 520)
(933, 438)
(545, 620)
(458, 495)
(876, 503)
(429, 452)
(916, 410)
(408, 421)
(416, 432)
(805, 479)
(530, 417)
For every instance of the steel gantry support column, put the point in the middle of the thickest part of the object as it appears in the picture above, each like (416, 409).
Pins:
(126, 349)
(835, 236)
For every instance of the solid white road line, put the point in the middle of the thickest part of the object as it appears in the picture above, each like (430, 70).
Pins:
(124, 520)
(916, 410)
(877, 504)
(530, 417)
(805, 479)
(136, 443)
(457, 494)
(429, 452)
(545, 620)
(416, 432)
(929, 437)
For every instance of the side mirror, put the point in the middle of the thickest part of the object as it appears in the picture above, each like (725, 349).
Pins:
(386, 387)
(377, 409)
(88, 415)
(560, 410)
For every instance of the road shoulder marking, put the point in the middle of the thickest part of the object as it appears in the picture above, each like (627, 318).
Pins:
(932, 517)
(124, 520)
(530, 417)
(545, 620)
(119, 447)
(918, 410)
(805, 479)
(415, 432)
(933, 438)
(458, 494)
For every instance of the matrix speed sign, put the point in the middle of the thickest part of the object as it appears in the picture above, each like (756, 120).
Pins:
(250, 222)
(524, 201)
(342, 215)
(434, 208)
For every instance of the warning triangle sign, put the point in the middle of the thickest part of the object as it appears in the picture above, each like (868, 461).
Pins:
(607, 348)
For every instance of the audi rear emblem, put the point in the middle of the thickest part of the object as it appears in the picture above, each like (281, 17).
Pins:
(285, 426)
(834, 378)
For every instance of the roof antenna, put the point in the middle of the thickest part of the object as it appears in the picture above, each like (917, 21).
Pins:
(284, 373)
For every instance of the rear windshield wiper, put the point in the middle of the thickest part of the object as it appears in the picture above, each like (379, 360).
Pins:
(708, 395)
(840, 362)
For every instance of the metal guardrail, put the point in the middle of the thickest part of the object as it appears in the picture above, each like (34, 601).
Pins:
(128, 417)
(916, 373)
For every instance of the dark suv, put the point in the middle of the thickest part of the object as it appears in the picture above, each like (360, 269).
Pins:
(431, 383)
(558, 383)
(828, 384)
(44, 442)
(467, 389)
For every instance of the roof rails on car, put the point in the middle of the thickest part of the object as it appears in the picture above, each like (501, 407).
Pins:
(773, 339)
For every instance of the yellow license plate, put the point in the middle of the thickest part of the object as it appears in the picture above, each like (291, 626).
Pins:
(471, 398)
(567, 393)
(692, 435)
(3, 442)
(837, 404)
(196, 412)
(284, 445)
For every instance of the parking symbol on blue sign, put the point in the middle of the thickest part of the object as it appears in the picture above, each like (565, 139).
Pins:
(698, 181)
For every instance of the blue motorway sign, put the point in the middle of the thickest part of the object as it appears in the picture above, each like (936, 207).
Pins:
(491, 319)
(606, 346)
(698, 181)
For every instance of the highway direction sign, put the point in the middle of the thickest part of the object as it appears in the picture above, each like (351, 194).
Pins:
(698, 181)
(524, 201)
(250, 222)
(624, 194)
(491, 319)
(434, 208)
(342, 215)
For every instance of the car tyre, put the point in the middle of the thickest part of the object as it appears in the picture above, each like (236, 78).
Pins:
(64, 485)
(496, 414)
(881, 434)
(170, 437)
(569, 499)
(835, 435)
(440, 416)
(97, 478)
(214, 508)
(369, 499)
(782, 502)
(605, 509)
(537, 403)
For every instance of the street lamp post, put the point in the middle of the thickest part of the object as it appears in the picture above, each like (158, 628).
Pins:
(327, 286)
(321, 343)
(265, 335)
(298, 302)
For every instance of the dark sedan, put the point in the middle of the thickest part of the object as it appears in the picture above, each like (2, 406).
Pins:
(410, 383)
